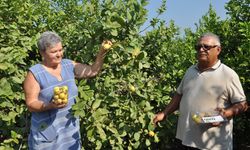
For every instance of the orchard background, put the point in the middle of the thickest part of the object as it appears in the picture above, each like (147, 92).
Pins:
(112, 116)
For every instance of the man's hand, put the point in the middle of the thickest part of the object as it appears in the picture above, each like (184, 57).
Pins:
(221, 111)
(158, 117)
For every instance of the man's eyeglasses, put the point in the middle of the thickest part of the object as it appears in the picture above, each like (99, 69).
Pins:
(204, 46)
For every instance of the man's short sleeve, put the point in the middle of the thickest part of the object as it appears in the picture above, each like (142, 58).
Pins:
(235, 90)
(180, 87)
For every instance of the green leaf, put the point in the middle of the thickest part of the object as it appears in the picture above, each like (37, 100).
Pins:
(112, 129)
(114, 104)
(96, 104)
(114, 32)
(5, 87)
(3, 66)
(101, 132)
(156, 139)
(142, 121)
(5, 104)
(17, 80)
(90, 132)
(136, 144)
(98, 144)
(137, 136)
(12, 115)
(113, 25)
(148, 143)
(102, 111)
(100, 114)
(148, 107)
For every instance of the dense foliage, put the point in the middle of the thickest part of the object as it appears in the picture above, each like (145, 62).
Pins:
(112, 115)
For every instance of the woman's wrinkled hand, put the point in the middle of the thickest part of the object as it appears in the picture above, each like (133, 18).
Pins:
(57, 106)
(106, 45)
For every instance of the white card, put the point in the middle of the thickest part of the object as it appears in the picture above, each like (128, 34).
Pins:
(213, 119)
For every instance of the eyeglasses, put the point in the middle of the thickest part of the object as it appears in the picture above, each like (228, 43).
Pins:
(204, 46)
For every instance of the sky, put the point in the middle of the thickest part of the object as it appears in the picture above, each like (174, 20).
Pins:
(185, 13)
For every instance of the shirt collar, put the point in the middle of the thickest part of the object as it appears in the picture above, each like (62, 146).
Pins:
(214, 67)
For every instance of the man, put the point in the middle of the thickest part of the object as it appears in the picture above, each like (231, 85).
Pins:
(207, 87)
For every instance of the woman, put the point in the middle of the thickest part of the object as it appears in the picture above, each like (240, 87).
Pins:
(53, 126)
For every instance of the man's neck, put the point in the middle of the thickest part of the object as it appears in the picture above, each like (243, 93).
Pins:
(203, 66)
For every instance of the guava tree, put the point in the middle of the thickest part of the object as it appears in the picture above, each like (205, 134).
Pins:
(237, 54)
(15, 44)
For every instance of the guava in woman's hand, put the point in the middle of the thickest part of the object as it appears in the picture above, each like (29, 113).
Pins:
(106, 45)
